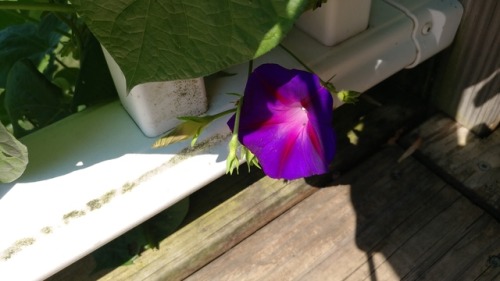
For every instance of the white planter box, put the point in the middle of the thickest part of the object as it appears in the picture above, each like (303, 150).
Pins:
(155, 106)
(336, 20)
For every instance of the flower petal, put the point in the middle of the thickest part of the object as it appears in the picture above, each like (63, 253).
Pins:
(286, 121)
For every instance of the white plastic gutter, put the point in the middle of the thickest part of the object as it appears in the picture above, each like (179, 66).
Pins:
(401, 34)
(93, 175)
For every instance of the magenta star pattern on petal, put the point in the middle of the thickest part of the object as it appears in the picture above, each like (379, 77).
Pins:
(286, 121)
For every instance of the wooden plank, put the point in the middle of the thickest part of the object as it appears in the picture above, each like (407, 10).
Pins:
(215, 232)
(383, 228)
(414, 258)
(491, 272)
(479, 244)
(428, 206)
(469, 163)
(468, 77)
(382, 220)
(277, 251)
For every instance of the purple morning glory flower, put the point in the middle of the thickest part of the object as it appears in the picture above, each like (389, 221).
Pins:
(286, 121)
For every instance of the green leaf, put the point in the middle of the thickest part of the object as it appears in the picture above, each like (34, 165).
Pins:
(4, 117)
(94, 83)
(13, 17)
(179, 39)
(191, 127)
(66, 78)
(30, 96)
(13, 157)
(8, 18)
(27, 40)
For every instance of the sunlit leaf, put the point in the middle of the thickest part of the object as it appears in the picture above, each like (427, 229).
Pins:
(348, 96)
(185, 130)
(191, 127)
(13, 157)
(176, 39)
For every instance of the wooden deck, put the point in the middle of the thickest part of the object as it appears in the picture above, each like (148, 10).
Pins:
(384, 220)
(384, 213)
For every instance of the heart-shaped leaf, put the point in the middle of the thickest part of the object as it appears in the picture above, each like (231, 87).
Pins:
(180, 39)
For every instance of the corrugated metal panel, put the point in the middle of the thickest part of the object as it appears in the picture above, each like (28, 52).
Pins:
(468, 80)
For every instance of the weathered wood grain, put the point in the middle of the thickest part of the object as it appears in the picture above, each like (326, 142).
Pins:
(215, 232)
(387, 216)
(469, 163)
(468, 78)
(383, 220)
(469, 256)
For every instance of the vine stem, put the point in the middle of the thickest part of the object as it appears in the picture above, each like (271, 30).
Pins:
(220, 114)
(327, 84)
(240, 102)
(236, 127)
(33, 6)
(297, 59)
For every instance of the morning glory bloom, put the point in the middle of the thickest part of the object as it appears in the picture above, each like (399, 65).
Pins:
(286, 121)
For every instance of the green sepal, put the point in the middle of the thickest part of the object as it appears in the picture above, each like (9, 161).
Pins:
(348, 96)
(232, 161)
(249, 157)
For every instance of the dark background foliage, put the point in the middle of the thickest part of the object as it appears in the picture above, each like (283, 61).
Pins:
(50, 66)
